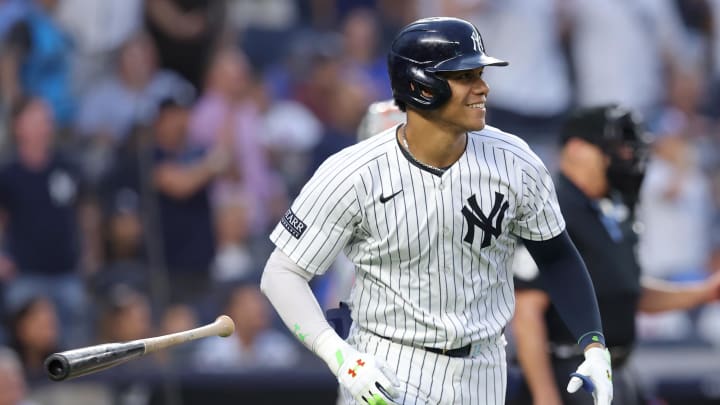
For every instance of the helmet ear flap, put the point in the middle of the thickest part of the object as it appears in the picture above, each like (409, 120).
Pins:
(427, 91)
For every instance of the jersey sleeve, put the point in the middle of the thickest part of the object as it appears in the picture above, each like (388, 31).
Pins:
(322, 218)
(539, 216)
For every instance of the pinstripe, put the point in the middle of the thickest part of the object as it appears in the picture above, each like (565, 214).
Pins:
(429, 274)
(444, 374)
(375, 182)
(495, 379)
(397, 237)
(457, 292)
(486, 264)
(429, 249)
(463, 386)
(361, 276)
(447, 212)
(505, 253)
(486, 375)
(492, 262)
(417, 227)
(472, 296)
(474, 286)
(443, 291)
(417, 284)
(408, 250)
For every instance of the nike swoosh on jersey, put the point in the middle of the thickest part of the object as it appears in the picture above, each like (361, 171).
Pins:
(384, 199)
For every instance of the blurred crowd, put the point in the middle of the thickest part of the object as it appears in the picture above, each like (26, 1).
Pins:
(149, 147)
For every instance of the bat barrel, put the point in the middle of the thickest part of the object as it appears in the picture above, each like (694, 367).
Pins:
(78, 362)
(58, 367)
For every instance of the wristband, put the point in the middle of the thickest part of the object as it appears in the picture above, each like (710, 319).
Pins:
(590, 338)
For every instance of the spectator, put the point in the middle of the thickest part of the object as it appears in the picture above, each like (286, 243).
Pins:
(130, 96)
(124, 215)
(181, 176)
(263, 28)
(350, 100)
(36, 62)
(227, 114)
(186, 32)
(290, 132)
(317, 73)
(178, 318)
(98, 29)
(127, 99)
(34, 333)
(125, 316)
(361, 44)
(12, 379)
(255, 344)
(11, 11)
(124, 251)
(676, 216)
(649, 60)
(676, 208)
(47, 209)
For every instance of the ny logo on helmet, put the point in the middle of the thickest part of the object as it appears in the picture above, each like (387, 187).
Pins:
(477, 42)
(475, 217)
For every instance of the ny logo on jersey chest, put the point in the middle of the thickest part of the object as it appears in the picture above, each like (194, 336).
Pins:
(476, 217)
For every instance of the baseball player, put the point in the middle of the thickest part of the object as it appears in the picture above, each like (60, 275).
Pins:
(429, 213)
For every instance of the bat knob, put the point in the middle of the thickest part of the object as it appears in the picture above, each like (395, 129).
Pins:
(57, 367)
(226, 325)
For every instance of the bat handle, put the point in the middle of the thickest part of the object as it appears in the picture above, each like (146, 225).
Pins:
(223, 326)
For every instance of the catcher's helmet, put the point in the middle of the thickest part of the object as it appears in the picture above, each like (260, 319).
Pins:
(428, 46)
(620, 133)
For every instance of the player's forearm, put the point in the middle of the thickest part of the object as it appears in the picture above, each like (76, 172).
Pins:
(182, 181)
(566, 279)
(659, 296)
(290, 294)
(532, 351)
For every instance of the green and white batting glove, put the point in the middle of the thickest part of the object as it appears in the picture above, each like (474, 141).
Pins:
(368, 380)
(594, 375)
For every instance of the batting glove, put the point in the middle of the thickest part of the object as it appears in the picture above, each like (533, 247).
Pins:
(594, 375)
(368, 380)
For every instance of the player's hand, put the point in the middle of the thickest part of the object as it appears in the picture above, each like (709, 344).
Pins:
(368, 380)
(594, 375)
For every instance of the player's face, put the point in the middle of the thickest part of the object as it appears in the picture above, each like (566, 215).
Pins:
(466, 108)
(596, 163)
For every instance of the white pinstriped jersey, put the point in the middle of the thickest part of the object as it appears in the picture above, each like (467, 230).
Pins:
(432, 253)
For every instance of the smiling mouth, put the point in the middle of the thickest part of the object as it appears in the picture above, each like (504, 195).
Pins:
(477, 105)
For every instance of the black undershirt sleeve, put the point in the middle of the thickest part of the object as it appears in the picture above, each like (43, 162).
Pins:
(565, 278)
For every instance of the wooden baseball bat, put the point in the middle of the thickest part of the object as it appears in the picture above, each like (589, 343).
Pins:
(85, 360)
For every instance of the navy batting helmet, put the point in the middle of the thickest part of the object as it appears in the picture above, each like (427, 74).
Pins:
(429, 46)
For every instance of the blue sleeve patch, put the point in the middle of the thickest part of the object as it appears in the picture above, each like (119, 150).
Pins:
(293, 224)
